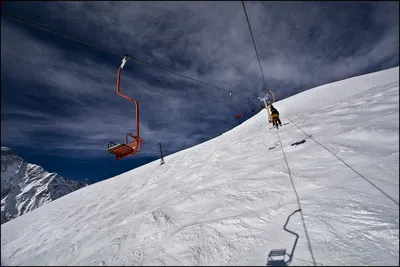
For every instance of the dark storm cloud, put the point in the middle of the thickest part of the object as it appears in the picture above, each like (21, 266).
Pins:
(59, 88)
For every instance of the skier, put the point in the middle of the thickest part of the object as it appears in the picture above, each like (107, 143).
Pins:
(275, 116)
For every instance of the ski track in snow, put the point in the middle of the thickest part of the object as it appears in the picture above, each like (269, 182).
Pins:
(225, 201)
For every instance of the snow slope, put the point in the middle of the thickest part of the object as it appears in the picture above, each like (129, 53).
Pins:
(226, 201)
(26, 186)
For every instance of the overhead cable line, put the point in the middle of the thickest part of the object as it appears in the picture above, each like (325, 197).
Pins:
(62, 34)
(115, 53)
(254, 43)
(345, 163)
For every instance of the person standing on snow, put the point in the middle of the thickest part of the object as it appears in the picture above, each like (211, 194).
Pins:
(275, 116)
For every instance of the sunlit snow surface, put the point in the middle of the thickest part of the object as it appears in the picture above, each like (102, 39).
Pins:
(225, 202)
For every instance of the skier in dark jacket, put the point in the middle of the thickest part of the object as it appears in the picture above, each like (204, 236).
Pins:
(275, 116)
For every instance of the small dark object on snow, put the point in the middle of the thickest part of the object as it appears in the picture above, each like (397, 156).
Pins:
(277, 257)
(298, 143)
(275, 145)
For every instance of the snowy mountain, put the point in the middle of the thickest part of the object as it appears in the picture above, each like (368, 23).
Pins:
(321, 190)
(25, 186)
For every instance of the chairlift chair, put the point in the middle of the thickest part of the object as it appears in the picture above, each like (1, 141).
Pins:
(129, 148)
(238, 116)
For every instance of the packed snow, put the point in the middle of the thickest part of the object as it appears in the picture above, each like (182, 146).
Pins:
(226, 201)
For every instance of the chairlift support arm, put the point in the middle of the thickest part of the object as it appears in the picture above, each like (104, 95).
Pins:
(124, 60)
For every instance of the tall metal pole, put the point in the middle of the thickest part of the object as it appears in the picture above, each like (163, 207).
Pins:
(161, 154)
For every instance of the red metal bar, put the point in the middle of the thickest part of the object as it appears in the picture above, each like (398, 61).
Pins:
(127, 97)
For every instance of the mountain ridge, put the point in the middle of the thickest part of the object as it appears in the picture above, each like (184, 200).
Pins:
(27, 186)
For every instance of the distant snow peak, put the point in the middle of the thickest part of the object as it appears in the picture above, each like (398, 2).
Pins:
(26, 186)
(5, 149)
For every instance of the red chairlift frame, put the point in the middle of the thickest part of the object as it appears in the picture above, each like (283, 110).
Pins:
(130, 148)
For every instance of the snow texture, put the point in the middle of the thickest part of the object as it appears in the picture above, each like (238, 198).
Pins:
(226, 201)
(25, 186)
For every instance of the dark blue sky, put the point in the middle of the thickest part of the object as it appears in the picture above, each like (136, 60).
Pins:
(58, 99)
